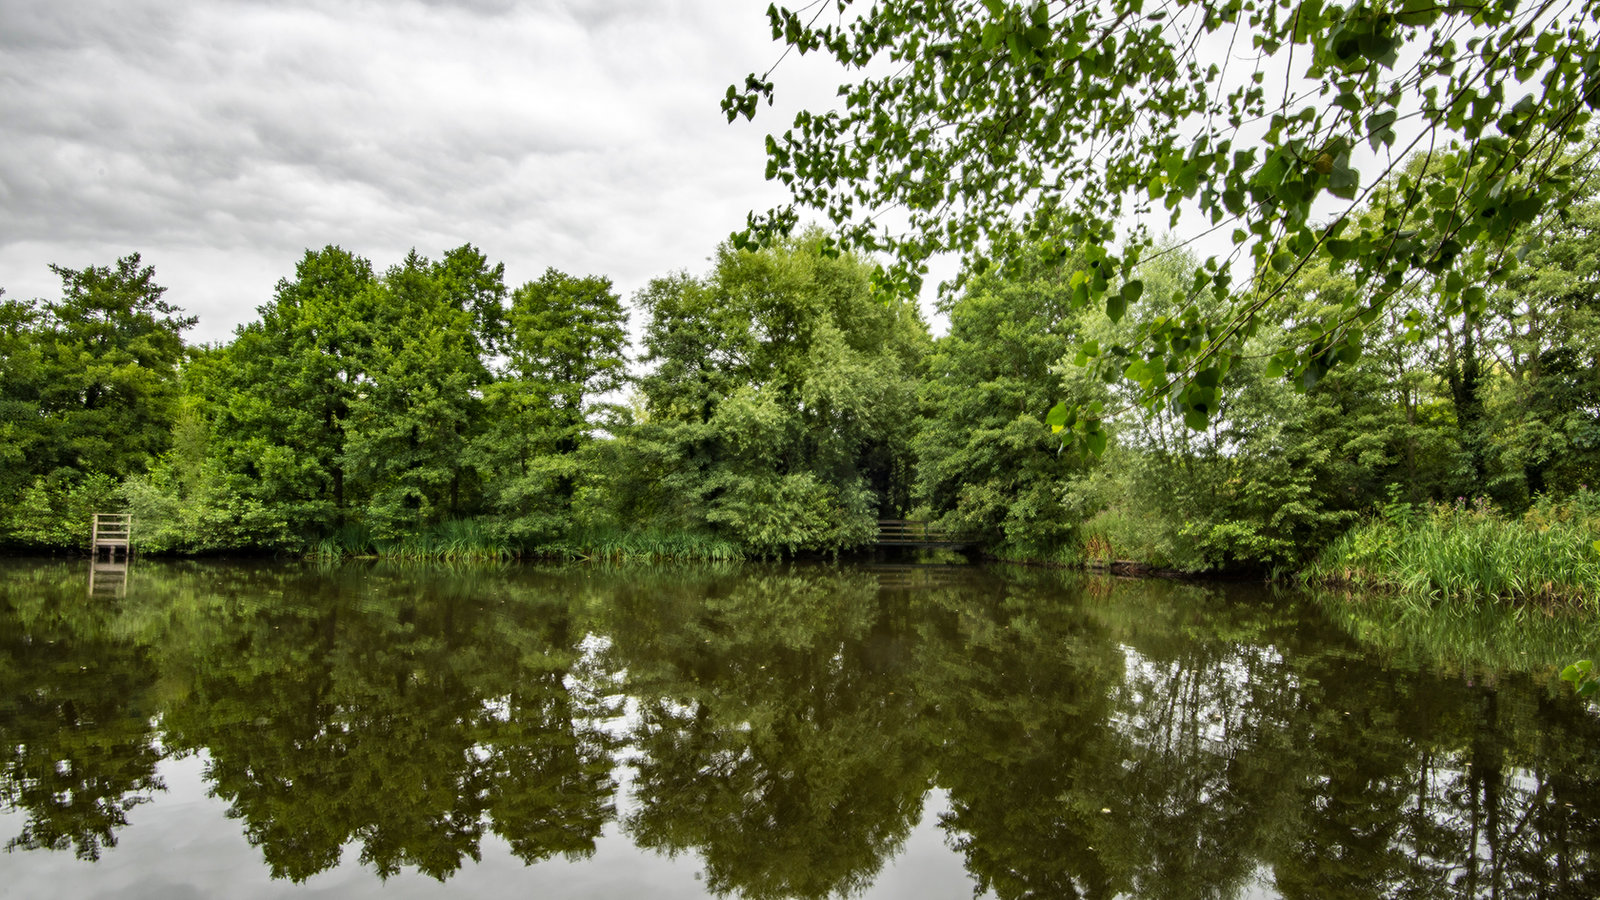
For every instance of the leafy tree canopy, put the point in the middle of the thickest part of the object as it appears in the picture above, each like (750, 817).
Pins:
(976, 125)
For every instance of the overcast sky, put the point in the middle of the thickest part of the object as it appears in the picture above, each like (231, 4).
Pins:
(221, 139)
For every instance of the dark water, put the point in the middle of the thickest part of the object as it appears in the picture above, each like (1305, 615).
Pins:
(255, 730)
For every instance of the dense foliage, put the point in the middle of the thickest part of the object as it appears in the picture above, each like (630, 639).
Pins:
(782, 403)
(977, 126)
(89, 393)
(779, 407)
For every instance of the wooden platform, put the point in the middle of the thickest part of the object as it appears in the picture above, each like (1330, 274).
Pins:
(113, 533)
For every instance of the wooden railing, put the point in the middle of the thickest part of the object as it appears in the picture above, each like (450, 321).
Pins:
(916, 533)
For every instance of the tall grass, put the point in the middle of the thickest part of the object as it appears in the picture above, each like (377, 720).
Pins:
(354, 539)
(453, 540)
(1473, 554)
(474, 540)
(616, 544)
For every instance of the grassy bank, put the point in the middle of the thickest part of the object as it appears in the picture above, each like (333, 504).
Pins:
(1472, 554)
(615, 544)
(472, 540)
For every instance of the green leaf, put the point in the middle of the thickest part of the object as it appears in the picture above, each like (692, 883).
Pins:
(1096, 442)
(1343, 181)
(1341, 249)
(1116, 306)
(1058, 417)
(1379, 130)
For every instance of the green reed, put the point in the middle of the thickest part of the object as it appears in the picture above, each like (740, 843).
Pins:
(616, 544)
(474, 540)
(453, 540)
(1472, 554)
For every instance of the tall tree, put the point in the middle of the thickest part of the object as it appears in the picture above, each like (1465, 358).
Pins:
(985, 462)
(21, 384)
(354, 399)
(112, 351)
(976, 126)
(779, 408)
(1542, 412)
(283, 399)
(419, 404)
(564, 342)
(91, 381)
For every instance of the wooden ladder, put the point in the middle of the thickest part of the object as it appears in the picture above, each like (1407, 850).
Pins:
(111, 534)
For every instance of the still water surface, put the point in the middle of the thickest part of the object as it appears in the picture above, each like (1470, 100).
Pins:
(265, 730)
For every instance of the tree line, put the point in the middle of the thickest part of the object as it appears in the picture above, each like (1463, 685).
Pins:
(781, 403)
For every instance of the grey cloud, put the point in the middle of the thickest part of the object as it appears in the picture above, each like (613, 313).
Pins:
(580, 135)
(607, 13)
(476, 7)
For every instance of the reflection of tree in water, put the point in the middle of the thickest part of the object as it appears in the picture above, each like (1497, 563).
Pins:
(400, 713)
(1097, 745)
(1018, 686)
(76, 745)
(1205, 715)
(1229, 743)
(789, 723)
(777, 733)
(1433, 787)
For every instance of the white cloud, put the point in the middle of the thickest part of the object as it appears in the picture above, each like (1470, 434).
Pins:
(222, 139)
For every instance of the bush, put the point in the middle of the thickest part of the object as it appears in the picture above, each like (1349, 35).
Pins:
(56, 511)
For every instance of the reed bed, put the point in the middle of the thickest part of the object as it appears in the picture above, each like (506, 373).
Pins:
(469, 540)
(1472, 554)
(350, 540)
(454, 540)
(615, 545)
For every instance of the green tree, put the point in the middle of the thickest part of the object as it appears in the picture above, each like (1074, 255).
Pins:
(986, 465)
(352, 402)
(419, 405)
(1248, 486)
(93, 379)
(281, 402)
(974, 127)
(112, 378)
(564, 343)
(1542, 411)
(21, 376)
(779, 407)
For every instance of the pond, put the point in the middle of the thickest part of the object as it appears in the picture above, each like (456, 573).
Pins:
(260, 729)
